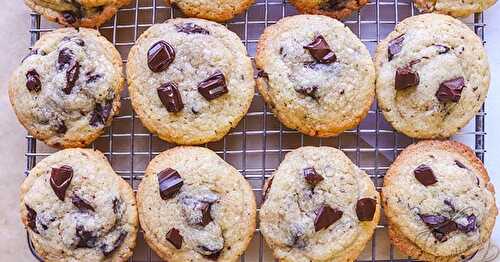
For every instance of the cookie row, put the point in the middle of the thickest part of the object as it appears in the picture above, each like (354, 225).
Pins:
(317, 206)
(93, 13)
(191, 81)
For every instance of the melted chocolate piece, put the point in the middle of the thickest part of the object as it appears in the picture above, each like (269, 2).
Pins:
(424, 175)
(307, 91)
(33, 82)
(70, 17)
(60, 179)
(65, 59)
(459, 164)
(311, 177)
(450, 90)
(320, 51)
(61, 127)
(160, 56)
(101, 114)
(334, 5)
(175, 238)
(449, 204)
(81, 203)
(170, 97)
(169, 182)
(116, 205)
(32, 219)
(86, 239)
(191, 28)
(470, 226)
(365, 209)
(214, 86)
(212, 254)
(439, 225)
(442, 49)
(107, 250)
(262, 73)
(206, 218)
(406, 77)
(325, 216)
(92, 78)
(71, 76)
(395, 46)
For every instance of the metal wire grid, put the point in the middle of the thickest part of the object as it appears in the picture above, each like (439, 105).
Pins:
(258, 144)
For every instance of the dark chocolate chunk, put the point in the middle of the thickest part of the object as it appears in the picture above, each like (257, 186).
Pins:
(442, 49)
(365, 209)
(450, 90)
(433, 220)
(449, 204)
(214, 86)
(307, 91)
(459, 164)
(160, 56)
(101, 114)
(170, 97)
(262, 73)
(60, 178)
(311, 176)
(92, 78)
(206, 218)
(65, 59)
(213, 256)
(175, 238)
(209, 253)
(86, 239)
(325, 216)
(107, 249)
(116, 205)
(334, 5)
(470, 226)
(395, 46)
(170, 182)
(191, 28)
(424, 175)
(71, 76)
(32, 219)
(81, 203)
(406, 77)
(320, 51)
(70, 17)
(33, 82)
(61, 127)
(439, 225)
(79, 41)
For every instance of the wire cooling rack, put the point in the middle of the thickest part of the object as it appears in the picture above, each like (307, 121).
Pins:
(258, 144)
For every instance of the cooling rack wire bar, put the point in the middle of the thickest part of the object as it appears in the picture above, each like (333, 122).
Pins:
(258, 144)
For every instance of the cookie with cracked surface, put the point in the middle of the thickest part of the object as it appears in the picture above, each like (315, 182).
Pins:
(67, 90)
(216, 10)
(319, 207)
(76, 208)
(315, 74)
(439, 201)
(333, 8)
(190, 80)
(454, 8)
(76, 13)
(433, 76)
(193, 206)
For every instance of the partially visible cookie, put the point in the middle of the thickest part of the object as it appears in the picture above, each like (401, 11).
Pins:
(457, 8)
(318, 206)
(193, 206)
(216, 10)
(315, 74)
(76, 13)
(333, 8)
(76, 208)
(68, 88)
(190, 80)
(432, 76)
(439, 202)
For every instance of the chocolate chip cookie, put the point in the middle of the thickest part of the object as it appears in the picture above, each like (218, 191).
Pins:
(315, 74)
(68, 88)
(333, 8)
(217, 10)
(439, 201)
(193, 206)
(318, 206)
(76, 13)
(76, 208)
(433, 76)
(190, 80)
(455, 8)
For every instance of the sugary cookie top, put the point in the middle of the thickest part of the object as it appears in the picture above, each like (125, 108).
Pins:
(433, 76)
(68, 88)
(438, 195)
(195, 206)
(77, 208)
(318, 206)
(316, 74)
(190, 80)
